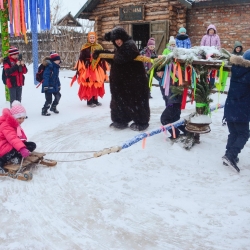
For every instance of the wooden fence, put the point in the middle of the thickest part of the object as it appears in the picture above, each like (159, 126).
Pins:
(66, 43)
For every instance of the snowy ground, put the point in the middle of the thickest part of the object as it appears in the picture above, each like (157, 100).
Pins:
(161, 197)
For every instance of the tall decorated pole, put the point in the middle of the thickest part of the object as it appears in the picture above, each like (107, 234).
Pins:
(4, 14)
(33, 20)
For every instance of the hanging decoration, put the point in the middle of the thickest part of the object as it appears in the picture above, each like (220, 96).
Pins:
(4, 14)
(23, 15)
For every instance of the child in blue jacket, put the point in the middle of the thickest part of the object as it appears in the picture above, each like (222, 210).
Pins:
(51, 84)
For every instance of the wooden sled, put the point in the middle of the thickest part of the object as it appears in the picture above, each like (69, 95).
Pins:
(22, 171)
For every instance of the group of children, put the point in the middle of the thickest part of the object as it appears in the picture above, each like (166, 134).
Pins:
(129, 90)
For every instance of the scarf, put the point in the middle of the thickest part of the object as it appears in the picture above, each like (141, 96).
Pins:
(93, 46)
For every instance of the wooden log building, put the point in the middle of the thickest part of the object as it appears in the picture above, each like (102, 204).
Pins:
(163, 18)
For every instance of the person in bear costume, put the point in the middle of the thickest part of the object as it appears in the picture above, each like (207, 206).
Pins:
(128, 83)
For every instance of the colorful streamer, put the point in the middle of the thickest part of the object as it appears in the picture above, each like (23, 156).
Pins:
(4, 15)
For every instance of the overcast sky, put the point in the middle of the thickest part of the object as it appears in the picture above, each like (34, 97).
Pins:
(67, 6)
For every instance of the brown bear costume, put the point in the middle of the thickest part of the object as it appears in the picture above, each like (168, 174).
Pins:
(128, 83)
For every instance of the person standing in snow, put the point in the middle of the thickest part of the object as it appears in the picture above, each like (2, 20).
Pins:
(211, 39)
(91, 73)
(237, 109)
(51, 83)
(150, 52)
(182, 39)
(238, 49)
(128, 83)
(13, 74)
(13, 141)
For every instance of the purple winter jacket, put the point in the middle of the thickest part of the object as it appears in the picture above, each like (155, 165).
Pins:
(213, 40)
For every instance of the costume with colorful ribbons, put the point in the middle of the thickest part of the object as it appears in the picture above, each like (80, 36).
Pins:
(91, 73)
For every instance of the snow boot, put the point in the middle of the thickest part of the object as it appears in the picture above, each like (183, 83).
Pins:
(228, 161)
(45, 112)
(118, 125)
(95, 101)
(137, 127)
(53, 109)
(92, 105)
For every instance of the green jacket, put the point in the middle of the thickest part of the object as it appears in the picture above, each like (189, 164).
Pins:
(238, 44)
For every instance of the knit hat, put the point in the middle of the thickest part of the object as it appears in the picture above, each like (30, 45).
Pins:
(17, 110)
(54, 56)
(182, 30)
(151, 41)
(172, 41)
(246, 55)
(13, 51)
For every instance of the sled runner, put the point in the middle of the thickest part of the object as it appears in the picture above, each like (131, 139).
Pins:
(22, 171)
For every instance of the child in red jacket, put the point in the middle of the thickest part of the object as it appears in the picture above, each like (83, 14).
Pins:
(13, 141)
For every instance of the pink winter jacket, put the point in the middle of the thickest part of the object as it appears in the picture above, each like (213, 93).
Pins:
(9, 130)
(213, 40)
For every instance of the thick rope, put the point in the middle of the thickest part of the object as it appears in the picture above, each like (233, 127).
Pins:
(140, 137)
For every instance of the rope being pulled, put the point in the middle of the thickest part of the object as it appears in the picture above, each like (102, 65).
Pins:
(140, 137)
(137, 138)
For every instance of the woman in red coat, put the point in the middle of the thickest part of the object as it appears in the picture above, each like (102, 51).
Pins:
(13, 141)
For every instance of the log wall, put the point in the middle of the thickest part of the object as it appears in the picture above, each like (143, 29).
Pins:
(106, 15)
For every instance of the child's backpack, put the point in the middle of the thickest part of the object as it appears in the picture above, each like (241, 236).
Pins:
(39, 74)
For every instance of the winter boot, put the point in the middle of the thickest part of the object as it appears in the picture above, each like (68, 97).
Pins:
(95, 101)
(90, 103)
(118, 125)
(137, 127)
(229, 161)
(53, 109)
(45, 112)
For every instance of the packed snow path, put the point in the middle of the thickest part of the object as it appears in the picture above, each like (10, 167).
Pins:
(161, 197)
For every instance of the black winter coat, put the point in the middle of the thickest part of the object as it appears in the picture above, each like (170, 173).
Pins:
(237, 106)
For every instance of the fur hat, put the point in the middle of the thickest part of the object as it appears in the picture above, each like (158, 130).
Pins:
(54, 56)
(182, 30)
(246, 55)
(171, 41)
(13, 51)
(116, 33)
(17, 110)
(151, 42)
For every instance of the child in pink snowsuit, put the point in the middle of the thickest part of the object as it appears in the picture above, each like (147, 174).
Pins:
(13, 141)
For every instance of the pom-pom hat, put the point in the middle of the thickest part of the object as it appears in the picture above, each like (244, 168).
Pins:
(172, 41)
(151, 42)
(54, 56)
(13, 51)
(17, 110)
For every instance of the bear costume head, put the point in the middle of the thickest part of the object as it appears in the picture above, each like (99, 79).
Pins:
(117, 33)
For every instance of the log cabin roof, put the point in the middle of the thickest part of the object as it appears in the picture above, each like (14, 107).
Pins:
(90, 5)
(68, 21)
(86, 9)
(217, 3)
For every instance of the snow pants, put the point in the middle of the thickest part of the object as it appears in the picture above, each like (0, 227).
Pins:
(172, 113)
(13, 153)
(48, 98)
(15, 94)
(237, 138)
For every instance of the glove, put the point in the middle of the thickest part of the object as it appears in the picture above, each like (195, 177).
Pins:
(24, 152)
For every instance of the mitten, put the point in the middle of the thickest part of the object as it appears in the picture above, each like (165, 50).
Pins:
(24, 152)
(96, 54)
